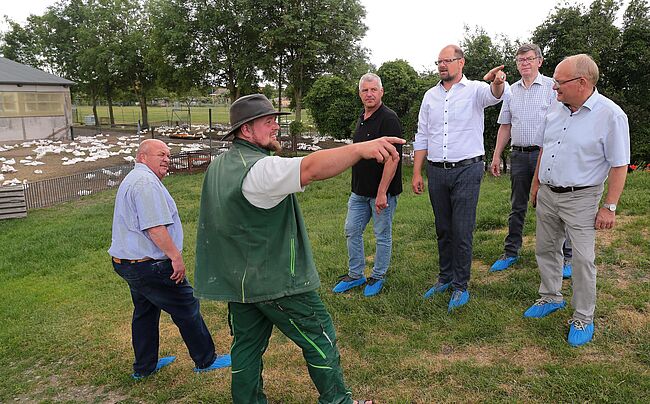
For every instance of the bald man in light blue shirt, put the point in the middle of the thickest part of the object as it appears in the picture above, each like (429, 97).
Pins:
(586, 141)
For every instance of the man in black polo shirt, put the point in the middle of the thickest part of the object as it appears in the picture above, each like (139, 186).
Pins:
(375, 188)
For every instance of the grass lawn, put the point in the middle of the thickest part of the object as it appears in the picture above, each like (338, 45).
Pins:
(65, 315)
(200, 115)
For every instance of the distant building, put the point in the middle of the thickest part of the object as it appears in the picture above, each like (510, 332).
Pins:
(33, 104)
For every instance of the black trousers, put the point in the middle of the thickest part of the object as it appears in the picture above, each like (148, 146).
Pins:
(153, 291)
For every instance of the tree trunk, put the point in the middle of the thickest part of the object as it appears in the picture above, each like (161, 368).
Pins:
(109, 100)
(143, 107)
(297, 99)
(94, 97)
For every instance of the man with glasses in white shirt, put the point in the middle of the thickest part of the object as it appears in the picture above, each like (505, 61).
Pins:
(450, 139)
(521, 115)
(586, 141)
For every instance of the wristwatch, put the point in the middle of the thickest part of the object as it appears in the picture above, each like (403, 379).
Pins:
(610, 206)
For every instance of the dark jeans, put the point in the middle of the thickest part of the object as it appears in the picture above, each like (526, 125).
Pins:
(152, 291)
(521, 177)
(454, 195)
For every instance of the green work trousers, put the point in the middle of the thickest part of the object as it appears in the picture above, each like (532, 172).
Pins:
(304, 319)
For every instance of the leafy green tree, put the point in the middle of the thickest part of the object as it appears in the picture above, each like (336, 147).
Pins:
(481, 55)
(207, 42)
(18, 43)
(632, 76)
(400, 83)
(570, 30)
(334, 105)
(305, 39)
(424, 82)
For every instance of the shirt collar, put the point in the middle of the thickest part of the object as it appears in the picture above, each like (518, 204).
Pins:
(363, 113)
(144, 167)
(538, 80)
(463, 81)
(590, 102)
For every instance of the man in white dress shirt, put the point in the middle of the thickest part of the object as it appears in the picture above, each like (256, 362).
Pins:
(586, 141)
(450, 140)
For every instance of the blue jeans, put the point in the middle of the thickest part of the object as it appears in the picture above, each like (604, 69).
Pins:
(360, 210)
(152, 291)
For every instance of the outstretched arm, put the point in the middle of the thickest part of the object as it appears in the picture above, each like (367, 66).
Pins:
(325, 164)
(498, 79)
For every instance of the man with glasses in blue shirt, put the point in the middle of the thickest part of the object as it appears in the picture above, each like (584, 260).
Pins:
(586, 141)
(450, 139)
(521, 115)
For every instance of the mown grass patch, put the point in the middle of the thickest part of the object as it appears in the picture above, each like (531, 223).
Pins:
(65, 316)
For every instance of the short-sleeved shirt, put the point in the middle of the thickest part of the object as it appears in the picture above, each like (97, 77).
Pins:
(451, 123)
(366, 174)
(272, 179)
(143, 202)
(525, 109)
(580, 147)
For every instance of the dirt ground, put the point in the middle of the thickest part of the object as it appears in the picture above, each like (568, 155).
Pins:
(63, 151)
(104, 150)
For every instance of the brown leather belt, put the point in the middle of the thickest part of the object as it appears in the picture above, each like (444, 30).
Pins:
(562, 190)
(122, 261)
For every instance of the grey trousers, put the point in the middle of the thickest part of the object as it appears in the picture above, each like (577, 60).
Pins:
(454, 196)
(521, 177)
(575, 213)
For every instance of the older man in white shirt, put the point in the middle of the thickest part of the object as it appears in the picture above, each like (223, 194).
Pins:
(450, 139)
(586, 141)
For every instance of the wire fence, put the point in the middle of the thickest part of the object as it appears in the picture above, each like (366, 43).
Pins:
(53, 191)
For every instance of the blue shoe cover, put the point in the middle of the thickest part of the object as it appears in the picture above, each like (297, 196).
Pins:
(580, 333)
(348, 283)
(220, 362)
(543, 307)
(503, 263)
(162, 362)
(439, 287)
(372, 288)
(458, 298)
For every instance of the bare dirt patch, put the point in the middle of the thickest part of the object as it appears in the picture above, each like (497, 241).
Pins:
(88, 152)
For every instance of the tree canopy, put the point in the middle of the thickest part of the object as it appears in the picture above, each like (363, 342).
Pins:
(113, 48)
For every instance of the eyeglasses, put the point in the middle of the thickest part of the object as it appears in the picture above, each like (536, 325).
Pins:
(558, 83)
(446, 61)
(530, 59)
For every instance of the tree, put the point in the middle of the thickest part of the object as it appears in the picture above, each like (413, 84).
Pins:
(18, 43)
(207, 43)
(334, 105)
(481, 55)
(632, 76)
(570, 30)
(305, 39)
(400, 83)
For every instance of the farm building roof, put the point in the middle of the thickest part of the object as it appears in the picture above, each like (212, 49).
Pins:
(17, 73)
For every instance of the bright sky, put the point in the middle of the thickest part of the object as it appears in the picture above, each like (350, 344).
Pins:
(414, 30)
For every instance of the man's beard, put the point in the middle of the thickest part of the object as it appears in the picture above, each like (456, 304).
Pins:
(448, 78)
(274, 146)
